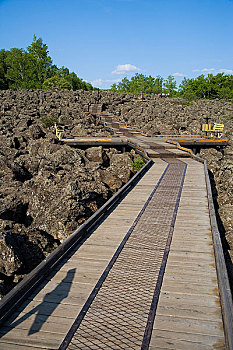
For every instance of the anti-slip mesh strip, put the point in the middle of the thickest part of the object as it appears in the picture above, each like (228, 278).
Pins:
(121, 312)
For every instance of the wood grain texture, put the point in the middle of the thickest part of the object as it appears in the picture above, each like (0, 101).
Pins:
(51, 310)
(189, 312)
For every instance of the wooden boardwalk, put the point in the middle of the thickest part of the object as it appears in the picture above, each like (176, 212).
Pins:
(188, 312)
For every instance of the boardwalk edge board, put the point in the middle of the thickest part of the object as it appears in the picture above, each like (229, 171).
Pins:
(222, 275)
(223, 280)
(11, 301)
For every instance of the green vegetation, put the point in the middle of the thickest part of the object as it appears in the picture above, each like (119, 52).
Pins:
(58, 82)
(33, 69)
(219, 86)
(229, 117)
(48, 121)
(138, 163)
(210, 87)
(148, 85)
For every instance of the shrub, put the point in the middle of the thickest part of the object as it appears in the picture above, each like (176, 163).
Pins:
(138, 163)
(228, 117)
(56, 82)
(48, 121)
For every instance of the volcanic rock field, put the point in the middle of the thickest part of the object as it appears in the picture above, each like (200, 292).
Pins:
(49, 189)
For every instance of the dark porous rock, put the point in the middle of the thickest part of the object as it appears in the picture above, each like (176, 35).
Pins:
(110, 179)
(10, 258)
(94, 154)
(48, 189)
(36, 132)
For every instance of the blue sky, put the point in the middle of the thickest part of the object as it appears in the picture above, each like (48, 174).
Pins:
(104, 40)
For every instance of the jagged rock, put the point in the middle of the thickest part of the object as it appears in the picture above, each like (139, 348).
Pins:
(94, 154)
(48, 189)
(110, 179)
(10, 258)
(36, 132)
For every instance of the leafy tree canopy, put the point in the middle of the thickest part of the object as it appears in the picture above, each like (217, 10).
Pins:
(146, 84)
(210, 87)
(33, 69)
(58, 82)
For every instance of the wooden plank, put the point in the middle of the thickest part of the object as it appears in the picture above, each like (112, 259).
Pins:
(186, 325)
(191, 278)
(89, 251)
(54, 309)
(13, 346)
(189, 288)
(39, 319)
(192, 271)
(180, 340)
(57, 292)
(200, 247)
(44, 340)
(86, 263)
(81, 277)
(189, 299)
(36, 326)
(179, 256)
(196, 312)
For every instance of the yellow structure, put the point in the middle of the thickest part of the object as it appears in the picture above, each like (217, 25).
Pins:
(59, 131)
(217, 129)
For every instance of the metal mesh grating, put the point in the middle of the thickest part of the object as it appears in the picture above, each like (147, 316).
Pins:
(118, 316)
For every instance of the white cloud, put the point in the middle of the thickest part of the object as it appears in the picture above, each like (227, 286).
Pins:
(178, 75)
(125, 68)
(213, 70)
(208, 70)
(104, 83)
(204, 70)
(226, 71)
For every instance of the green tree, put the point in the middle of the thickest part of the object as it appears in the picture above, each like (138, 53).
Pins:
(32, 69)
(4, 85)
(158, 85)
(170, 85)
(78, 83)
(114, 87)
(19, 69)
(63, 72)
(211, 87)
(58, 82)
(123, 86)
(42, 62)
(139, 83)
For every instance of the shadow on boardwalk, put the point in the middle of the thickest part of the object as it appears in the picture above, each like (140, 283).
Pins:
(48, 305)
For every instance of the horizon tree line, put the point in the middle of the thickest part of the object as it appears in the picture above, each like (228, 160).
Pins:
(210, 87)
(33, 68)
